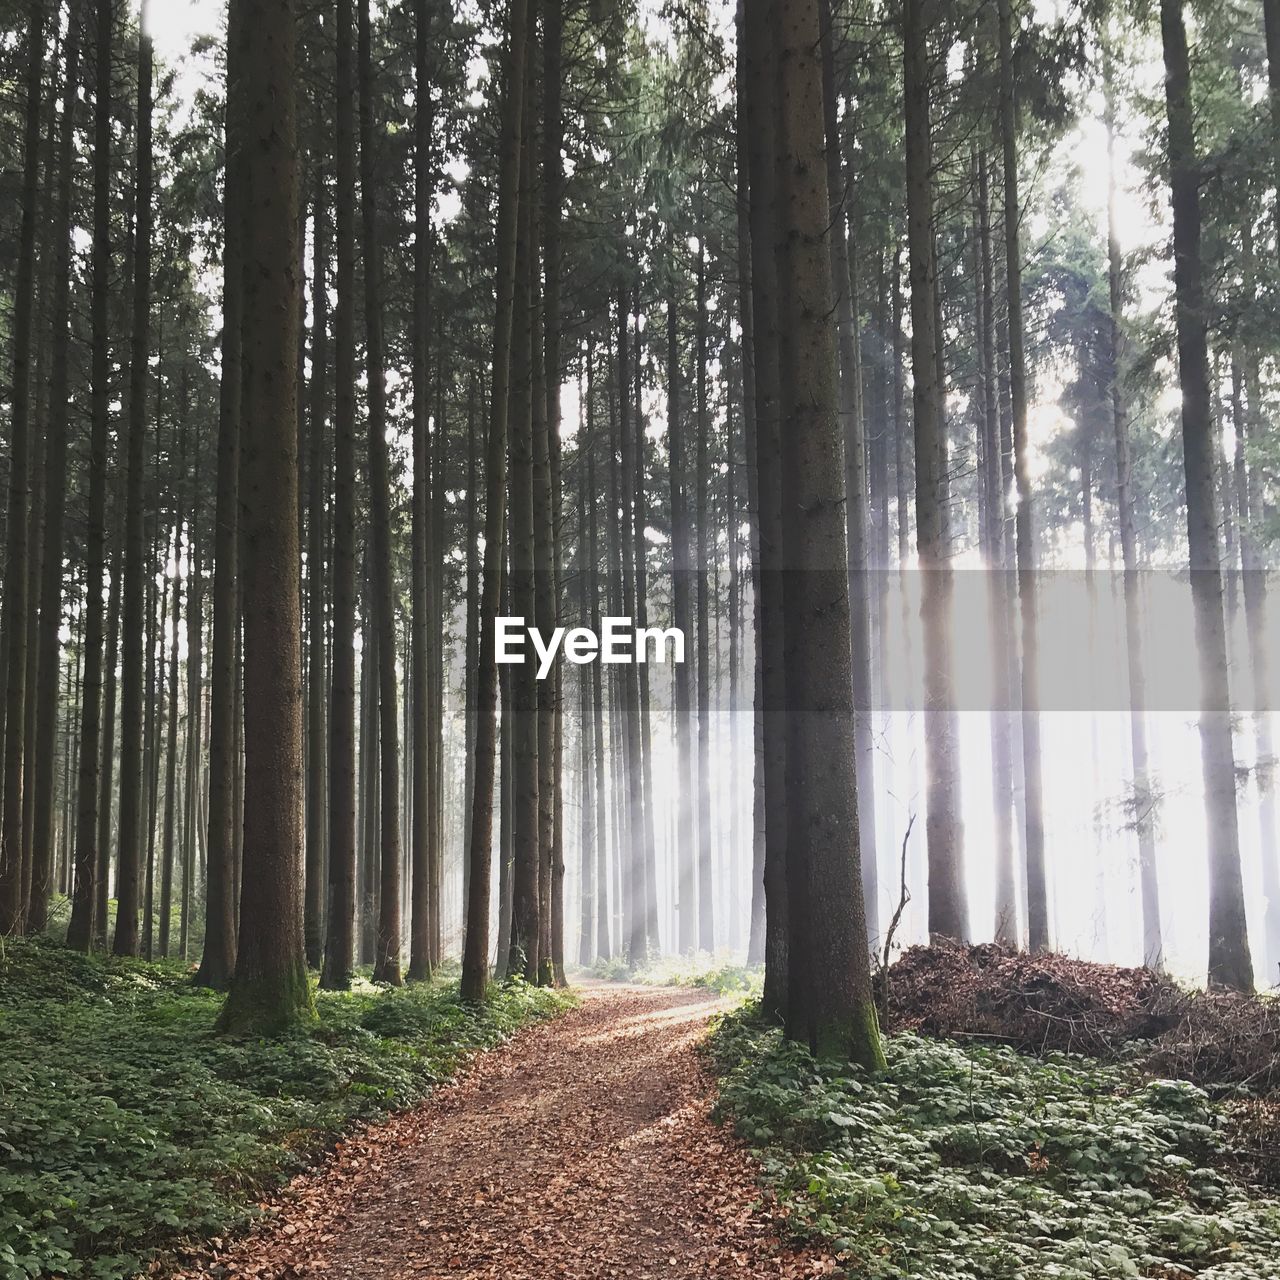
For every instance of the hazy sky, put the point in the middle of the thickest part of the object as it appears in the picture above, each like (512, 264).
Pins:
(175, 22)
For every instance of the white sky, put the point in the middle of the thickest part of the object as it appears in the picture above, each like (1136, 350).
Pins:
(174, 23)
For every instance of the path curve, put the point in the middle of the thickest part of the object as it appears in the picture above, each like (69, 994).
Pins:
(581, 1150)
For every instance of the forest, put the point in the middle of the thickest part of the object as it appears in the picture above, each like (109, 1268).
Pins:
(635, 638)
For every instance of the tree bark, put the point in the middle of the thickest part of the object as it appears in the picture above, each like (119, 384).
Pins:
(132, 820)
(759, 75)
(948, 907)
(317, 684)
(16, 604)
(475, 961)
(1038, 933)
(55, 469)
(829, 1005)
(1230, 964)
(423, 802)
(270, 989)
(1143, 798)
(386, 967)
(340, 926)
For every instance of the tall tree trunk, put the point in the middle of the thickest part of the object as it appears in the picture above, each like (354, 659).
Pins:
(269, 990)
(1230, 964)
(218, 961)
(843, 269)
(544, 617)
(16, 603)
(640, 548)
(475, 961)
(55, 469)
(759, 75)
(682, 575)
(317, 684)
(526, 929)
(1001, 597)
(340, 926)
(386, 966)
(1038, 933)
(829, 1005)
(132, 834)
(420, 967)
(603, 944)
(107, 684)
(746, 320)
(637, 938)
(171, 748)
(195, 705)
(1143, 797)
(703, 567)
(948, 906)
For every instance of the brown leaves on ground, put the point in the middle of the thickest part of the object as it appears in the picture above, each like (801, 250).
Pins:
(1221, 1040)
(582, 1150)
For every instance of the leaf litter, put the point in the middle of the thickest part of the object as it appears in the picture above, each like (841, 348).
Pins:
(584, 1149)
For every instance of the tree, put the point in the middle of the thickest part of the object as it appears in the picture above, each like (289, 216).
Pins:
(16, 604)
(127, 940)
(339, 950)
(948, 907)
(475, 959)
(1033, 783)
(1149, 885)
(386, 966)
(217, 963)
(1230, 964)
(270, 989)
(829, 1005)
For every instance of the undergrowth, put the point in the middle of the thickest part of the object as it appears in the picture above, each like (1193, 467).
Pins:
(717, 973)
(981, 1163)
(126, 1123)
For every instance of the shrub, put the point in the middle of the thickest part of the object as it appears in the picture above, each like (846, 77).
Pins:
(981, 1163)
(125, 1122)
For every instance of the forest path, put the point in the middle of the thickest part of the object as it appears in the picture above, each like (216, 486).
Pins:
(581, 1150)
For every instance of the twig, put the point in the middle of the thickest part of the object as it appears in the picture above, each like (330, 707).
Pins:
(904, 896)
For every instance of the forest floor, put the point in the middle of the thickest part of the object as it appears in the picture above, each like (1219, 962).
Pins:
(582, 1149)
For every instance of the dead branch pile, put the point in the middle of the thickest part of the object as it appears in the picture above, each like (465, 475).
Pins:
(1222, 1041)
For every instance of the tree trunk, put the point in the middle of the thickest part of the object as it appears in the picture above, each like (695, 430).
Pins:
(1230, 964)
(270, 990)
(55, 470)
(829, 1005)
(526, 929)
(423, 802)
(746, 319)
(340, 927)
(475, 961)
(1038, 933)
(317, 684)
(703, 568)
(843, 270)
(132, 834)
(1001, 601)
(681, 675)
(1143, 797)
(759, 76)
(16, 603)
(948, 907)
(218, 960)
(386, 967)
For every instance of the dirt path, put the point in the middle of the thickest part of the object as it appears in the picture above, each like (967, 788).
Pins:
(582, 1150)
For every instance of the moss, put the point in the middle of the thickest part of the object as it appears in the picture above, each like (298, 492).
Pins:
(266, 1005)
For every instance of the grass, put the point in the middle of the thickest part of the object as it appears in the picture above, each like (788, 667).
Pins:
(127, 1124)
(981, 1163)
